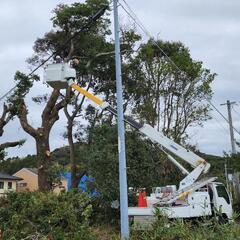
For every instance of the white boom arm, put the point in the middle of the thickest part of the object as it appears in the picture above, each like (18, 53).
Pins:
(198, 163)
(193, 159)
(61, 75)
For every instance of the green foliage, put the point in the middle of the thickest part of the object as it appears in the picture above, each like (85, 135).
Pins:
(12, 165)
(67, 20)
(23, 86)
(73, 17)
(54, 174)
(2, 155)
(21, 142)
(166, 97)
(147, 166)
(163, 228)
(233, 162)
(43, 215)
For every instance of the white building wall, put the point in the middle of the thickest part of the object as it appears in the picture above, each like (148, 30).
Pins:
(5, 189)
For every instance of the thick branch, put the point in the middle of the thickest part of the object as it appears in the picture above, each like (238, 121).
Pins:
(5, 118)
(70, 52)
(68, 98)
(59, 105)
(10, 144)
(50, 105)
(22, 115)
(53, 116)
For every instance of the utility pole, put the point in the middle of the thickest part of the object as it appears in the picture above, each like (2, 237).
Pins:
(121, 131)
(229, 108)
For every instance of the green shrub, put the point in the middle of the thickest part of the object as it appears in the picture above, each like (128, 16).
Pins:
(45, 216)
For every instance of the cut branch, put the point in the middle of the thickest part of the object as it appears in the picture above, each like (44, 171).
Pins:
(10, 144)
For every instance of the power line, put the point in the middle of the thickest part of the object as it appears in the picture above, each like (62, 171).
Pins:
(143, 28)
(222, 127)
(89, 22)
(229, 108)
(223, 116)
(236, 111)
(134, 17)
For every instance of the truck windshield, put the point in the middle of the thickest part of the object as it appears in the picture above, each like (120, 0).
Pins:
(221, 190)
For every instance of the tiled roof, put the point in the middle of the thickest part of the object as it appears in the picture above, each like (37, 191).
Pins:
(9, 177)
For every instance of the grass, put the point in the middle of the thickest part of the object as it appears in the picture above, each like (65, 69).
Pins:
(164, 229)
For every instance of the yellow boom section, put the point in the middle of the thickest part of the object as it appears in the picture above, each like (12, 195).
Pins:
(95, 99)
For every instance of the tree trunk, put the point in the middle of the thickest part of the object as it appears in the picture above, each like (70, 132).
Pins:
(74, 181)
(44, 162)
(70, 118)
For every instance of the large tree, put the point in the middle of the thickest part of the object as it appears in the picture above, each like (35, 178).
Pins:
(67, 20)
(95, 69)
(48, 118)
(170, 96)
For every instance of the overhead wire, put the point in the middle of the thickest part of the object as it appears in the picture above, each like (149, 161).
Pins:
(235, 111)
(222, 127)
(216, 109)
(233, 107)
(91, 19)
(137, 21)
(143, 28)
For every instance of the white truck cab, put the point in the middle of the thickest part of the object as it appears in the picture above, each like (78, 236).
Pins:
(221, 200)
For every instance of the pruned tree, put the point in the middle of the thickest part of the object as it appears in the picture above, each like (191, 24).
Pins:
(67, 20)
(65, 23)
(41, 134)
(95, 68)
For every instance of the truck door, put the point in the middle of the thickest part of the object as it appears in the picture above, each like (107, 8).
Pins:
(222, 200)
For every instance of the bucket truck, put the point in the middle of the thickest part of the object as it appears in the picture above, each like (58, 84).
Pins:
(194, 197)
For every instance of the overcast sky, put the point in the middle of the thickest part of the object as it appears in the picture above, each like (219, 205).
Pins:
(211, 30)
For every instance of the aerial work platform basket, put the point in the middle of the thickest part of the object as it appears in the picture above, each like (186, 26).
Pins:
(57, 75)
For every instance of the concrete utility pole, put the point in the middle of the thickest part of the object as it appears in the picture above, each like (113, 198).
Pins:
(229, 107)
(121, 131)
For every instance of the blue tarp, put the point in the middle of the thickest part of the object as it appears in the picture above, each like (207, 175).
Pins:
(86, 183)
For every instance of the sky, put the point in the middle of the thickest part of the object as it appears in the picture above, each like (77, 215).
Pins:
(210, 29)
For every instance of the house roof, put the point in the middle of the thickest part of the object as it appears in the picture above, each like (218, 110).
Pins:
(6, 176)
(33, 170)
